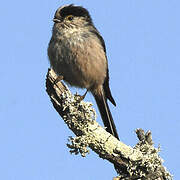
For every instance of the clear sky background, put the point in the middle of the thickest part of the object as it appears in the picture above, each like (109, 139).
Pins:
(143, 49)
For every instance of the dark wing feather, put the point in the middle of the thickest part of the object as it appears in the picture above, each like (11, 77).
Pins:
(106, 88)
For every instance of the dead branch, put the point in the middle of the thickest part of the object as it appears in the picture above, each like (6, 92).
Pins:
(139, 162)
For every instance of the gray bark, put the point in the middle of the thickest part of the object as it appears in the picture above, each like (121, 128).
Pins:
(139, 162)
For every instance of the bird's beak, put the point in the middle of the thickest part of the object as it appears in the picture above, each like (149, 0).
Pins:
(56, 20)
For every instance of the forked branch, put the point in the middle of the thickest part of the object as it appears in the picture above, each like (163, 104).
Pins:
(139, 162)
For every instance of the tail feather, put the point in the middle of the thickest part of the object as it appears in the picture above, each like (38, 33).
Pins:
(106, 115)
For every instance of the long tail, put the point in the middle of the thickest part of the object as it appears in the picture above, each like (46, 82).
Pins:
(106, 115)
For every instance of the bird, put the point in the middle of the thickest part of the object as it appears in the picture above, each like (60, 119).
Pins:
(77, 53)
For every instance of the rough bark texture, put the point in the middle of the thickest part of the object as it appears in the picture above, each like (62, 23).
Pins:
(139, 162)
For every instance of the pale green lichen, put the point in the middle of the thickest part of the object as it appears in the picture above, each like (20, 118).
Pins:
(150, 166)
(147, 161)
(79, 113)
(78, 145)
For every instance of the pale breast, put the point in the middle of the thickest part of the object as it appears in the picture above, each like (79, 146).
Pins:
(81, 61)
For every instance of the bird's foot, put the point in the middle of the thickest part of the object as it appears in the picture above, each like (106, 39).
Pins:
(81, 97)
(59, 78)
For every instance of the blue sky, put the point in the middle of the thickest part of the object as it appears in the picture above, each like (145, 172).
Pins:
(143, 49)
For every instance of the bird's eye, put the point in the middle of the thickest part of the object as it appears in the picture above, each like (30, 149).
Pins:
(70, 17)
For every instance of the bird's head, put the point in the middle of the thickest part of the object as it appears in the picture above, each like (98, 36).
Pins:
(70, 16)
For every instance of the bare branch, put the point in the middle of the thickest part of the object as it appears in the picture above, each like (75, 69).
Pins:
(140, 162)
